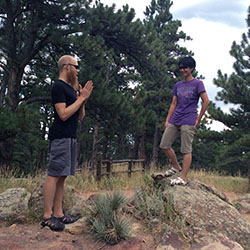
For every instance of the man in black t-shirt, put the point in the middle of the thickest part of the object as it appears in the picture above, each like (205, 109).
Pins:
(69, 107)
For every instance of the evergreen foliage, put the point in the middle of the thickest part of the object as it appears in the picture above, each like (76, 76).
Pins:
(133, 64)
(234, 152)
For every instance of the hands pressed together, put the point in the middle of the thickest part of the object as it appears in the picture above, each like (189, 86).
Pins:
(85, 91)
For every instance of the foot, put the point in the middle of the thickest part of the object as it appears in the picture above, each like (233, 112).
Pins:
(67, 219)
(172, 171)
(53, 223)
(178, 181)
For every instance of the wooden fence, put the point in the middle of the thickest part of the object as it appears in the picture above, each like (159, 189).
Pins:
(110, 167)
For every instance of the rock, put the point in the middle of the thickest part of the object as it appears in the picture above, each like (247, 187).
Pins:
(36, 199)
(78, 227)
(13, 201)
(243, 204)
(172, 241)
(79, 205)
(204, 241)
(204, 207)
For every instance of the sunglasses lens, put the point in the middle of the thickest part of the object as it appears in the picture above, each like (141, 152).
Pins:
(183, 67)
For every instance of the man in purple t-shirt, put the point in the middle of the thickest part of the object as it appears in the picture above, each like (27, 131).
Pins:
(182, 119)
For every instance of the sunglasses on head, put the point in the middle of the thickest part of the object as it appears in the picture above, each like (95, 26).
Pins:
(76, 66)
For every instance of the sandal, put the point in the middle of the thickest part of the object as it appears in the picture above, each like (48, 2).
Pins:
(178, 181)
(172, 171)
(67, 219)
(53, 223)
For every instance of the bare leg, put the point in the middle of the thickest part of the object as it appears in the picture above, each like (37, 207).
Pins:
(186, 163)
(49, 190)
(58, 200)
(171, 155)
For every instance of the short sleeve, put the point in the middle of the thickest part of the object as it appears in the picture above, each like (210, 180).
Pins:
(174, 90)
(58, 93)
(201, 87)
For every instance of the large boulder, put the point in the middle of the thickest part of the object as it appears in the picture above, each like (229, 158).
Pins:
(36, 200)
(13, 202)
(206, 208)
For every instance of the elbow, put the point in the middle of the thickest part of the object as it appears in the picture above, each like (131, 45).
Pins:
(63, 118)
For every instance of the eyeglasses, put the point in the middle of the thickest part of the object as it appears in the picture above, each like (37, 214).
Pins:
(76, 66)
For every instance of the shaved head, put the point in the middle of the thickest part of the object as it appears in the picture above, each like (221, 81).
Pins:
(66, 59)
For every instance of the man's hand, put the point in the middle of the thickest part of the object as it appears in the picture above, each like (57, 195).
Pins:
(86, 91)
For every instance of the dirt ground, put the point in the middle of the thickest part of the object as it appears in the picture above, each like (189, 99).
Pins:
(29, 237)
(33, 237)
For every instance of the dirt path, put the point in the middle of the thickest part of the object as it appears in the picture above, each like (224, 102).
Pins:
(30, 237)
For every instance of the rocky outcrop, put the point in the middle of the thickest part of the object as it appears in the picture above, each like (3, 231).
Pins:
(206, 209)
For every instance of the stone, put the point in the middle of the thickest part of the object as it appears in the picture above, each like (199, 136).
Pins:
(202, 206)
(243, 204)
(13, 201)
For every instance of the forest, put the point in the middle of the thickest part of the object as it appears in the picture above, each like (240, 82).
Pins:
(133, 64)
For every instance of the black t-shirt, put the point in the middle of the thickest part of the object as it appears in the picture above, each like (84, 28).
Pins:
(63, 92)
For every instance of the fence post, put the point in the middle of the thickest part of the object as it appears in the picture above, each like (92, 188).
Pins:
(99, 170)
(129, 168)
(109, 164)
(143, 166)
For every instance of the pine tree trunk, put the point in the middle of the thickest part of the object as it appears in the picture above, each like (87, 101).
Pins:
(13, 80)
(120, 147)
(94, 146)
(136, 147)
(155, 147)
(142, 150)
(248, 176)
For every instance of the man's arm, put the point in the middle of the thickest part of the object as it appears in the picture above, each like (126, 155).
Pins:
(66, 112)
(171, 110)
(205, 102)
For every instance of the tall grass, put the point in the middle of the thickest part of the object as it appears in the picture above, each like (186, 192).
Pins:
(234, 184)
(86, 181)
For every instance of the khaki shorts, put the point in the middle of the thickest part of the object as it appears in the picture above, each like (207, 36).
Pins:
(186, 132)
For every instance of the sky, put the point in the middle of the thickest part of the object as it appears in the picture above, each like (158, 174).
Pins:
(213, 25)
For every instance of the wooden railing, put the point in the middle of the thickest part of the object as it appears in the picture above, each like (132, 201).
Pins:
(110, 164)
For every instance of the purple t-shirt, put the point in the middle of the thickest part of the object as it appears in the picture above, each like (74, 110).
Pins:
(188, 94)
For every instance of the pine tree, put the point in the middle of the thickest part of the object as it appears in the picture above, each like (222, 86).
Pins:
(162, 37)
(235, 154)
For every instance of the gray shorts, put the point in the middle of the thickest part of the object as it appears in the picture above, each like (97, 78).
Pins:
(186, 132)
(62, 158)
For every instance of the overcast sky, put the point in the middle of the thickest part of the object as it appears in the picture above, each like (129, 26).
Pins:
(213, 25)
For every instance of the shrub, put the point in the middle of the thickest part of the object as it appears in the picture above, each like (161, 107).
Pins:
(105, 218)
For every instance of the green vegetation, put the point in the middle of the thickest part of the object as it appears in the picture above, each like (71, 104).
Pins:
(106, 220)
